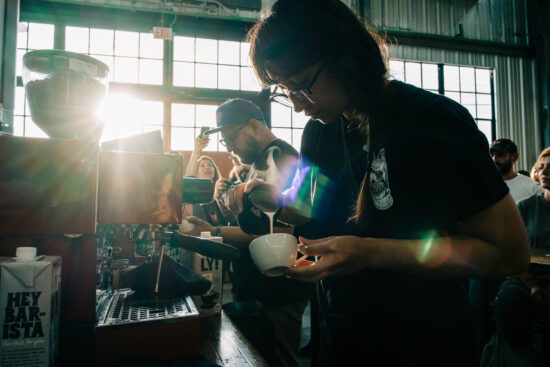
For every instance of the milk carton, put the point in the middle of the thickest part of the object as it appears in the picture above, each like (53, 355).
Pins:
(209, 303)
(29, 311)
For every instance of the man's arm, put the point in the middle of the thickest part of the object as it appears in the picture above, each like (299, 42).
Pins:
(230, 234)
(492, 242)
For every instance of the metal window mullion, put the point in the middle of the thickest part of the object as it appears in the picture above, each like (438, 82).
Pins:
(167, 82)
(59, 36)
(421, 75)
(195, 63)
(475, 94)
(139, 56)
(440, 79)
(493, 108)
(25, 94)
(460, 84)
(218, 77)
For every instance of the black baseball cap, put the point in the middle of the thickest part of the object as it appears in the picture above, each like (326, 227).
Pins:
(503, 145)
(235, 111)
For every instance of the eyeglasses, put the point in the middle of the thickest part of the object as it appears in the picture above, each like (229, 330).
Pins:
(231, 139)
(298, 94)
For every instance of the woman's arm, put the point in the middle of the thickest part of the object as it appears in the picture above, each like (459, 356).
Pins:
(200, 144)
(492, 242)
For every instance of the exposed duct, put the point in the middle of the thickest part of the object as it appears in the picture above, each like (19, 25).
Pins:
(225, 9)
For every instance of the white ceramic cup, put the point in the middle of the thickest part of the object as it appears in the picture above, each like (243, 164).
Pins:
(274, 253)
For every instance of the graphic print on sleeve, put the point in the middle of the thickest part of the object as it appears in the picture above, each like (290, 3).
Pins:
(379, 182)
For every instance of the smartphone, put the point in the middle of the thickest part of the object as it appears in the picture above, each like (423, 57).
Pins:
(203, 130)
(231, 184)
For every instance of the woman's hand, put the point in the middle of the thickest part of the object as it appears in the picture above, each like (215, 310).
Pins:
(220, 188)
(201, 143)
(339, 256)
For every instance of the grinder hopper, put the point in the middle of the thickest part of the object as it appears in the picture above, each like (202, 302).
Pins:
(64, 91)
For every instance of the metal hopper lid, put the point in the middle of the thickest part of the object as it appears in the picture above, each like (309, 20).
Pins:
(56, 61)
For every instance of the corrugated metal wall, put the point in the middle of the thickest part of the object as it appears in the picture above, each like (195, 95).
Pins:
(489, 20)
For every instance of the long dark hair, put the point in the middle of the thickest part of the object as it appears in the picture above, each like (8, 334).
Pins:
(207, 158)
(300, 33)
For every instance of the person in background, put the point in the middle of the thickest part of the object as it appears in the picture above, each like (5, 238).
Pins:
(524, 172)
(201, 166)
(534, 174)
(482, 292)
(245, 133)
(525, 299)
(505, 155)
(418, 232)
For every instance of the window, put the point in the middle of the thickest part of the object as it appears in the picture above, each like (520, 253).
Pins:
(187, 119)
(132, 57)
(287, 124)
(418, 74)
(125, 115)
(471, 87)
(31, 36)
(468, 86)
(214, 64)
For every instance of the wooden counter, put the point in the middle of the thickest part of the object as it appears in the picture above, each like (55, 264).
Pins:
(540, 256)
(221, 342)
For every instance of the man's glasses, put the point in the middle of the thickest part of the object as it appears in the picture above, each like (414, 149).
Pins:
(231, 139)
(299, 94)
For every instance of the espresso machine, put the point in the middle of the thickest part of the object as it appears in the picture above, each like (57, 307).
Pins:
(112, 217)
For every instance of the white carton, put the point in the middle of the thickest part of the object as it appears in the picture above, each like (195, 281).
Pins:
(209, 303)
(29, 299)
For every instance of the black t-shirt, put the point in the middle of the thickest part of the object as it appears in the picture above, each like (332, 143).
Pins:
(429, 167)
(248, 282)
(332, 166)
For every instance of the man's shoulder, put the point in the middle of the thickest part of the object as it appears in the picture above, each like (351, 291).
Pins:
(522, 180)
(282, 148)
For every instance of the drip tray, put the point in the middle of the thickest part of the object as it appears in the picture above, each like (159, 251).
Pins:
(123, 310)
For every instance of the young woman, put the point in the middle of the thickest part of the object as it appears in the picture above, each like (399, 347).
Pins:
(390, 289)
(201, 167)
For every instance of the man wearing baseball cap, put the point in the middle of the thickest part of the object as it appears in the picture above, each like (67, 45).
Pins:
(505, 154)
(245, 133)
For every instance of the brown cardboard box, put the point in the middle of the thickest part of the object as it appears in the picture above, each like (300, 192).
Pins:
(30, 299)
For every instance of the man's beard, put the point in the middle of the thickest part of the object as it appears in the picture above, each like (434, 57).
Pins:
(250, 153)
(504, 168)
